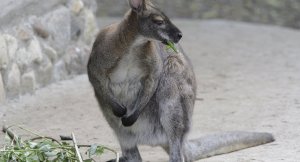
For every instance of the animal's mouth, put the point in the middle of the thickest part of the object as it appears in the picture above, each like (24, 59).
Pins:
(170, 45)
(165, 42)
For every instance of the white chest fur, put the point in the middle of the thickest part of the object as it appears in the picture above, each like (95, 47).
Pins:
(128, 69)
(126, 77)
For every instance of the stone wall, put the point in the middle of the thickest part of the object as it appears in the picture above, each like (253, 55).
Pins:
(42, 42)
(278, 12)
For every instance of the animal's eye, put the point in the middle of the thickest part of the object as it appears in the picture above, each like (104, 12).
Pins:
(158, 22)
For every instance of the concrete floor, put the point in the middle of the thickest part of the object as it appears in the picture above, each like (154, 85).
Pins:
(248, 78)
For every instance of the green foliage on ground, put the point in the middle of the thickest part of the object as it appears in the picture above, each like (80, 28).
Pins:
(46, 149)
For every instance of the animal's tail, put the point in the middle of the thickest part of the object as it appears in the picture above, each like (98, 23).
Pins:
(223, 143)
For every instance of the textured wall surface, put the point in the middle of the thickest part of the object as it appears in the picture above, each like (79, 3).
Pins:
(278, 12)
(49, 42)
(45, 41)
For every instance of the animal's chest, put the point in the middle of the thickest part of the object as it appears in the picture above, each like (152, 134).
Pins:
(125, 79)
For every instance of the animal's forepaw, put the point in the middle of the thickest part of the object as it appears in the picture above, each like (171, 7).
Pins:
(119, 110)
(128, 121)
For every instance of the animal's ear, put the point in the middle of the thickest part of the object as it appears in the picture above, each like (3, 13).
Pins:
(137, 5)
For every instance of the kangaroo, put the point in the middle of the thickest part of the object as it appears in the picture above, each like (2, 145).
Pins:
(147, 93)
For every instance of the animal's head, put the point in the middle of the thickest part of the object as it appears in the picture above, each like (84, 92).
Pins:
(153, 23)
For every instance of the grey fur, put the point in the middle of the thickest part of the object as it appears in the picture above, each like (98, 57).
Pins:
(147, 93)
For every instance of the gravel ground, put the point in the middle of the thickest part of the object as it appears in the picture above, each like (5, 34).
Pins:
(248, 77)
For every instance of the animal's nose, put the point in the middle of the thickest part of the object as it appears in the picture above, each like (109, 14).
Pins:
(179, 36)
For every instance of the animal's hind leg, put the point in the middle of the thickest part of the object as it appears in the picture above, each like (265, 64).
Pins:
(129, 155)
(172, 119)
(186, 156)
(175, 151)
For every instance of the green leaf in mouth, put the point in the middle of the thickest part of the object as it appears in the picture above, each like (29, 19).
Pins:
(171, 45)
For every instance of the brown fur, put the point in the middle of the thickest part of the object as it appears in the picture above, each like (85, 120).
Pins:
(147, 94)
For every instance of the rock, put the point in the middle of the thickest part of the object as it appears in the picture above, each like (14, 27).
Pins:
(35, 51)
(76, 60)
(75, 6)
(60, 71)
(58, 24)
(4, 60)
(13, 81)
(275, 3)
(12, 45)
(40, 29)
(26, 57)
(28, 82)
(91, 5)
(2, 90)
(50, 52)
(90, 26)
(16, 11)
(44, 73)
(24, 33)
(116, 7)
(23, 59)
(77, 27)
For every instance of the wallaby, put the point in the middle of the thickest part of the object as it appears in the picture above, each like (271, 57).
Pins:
(147, 93)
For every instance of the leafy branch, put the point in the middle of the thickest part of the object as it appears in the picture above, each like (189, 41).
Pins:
(42, 148)
(171, 45)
